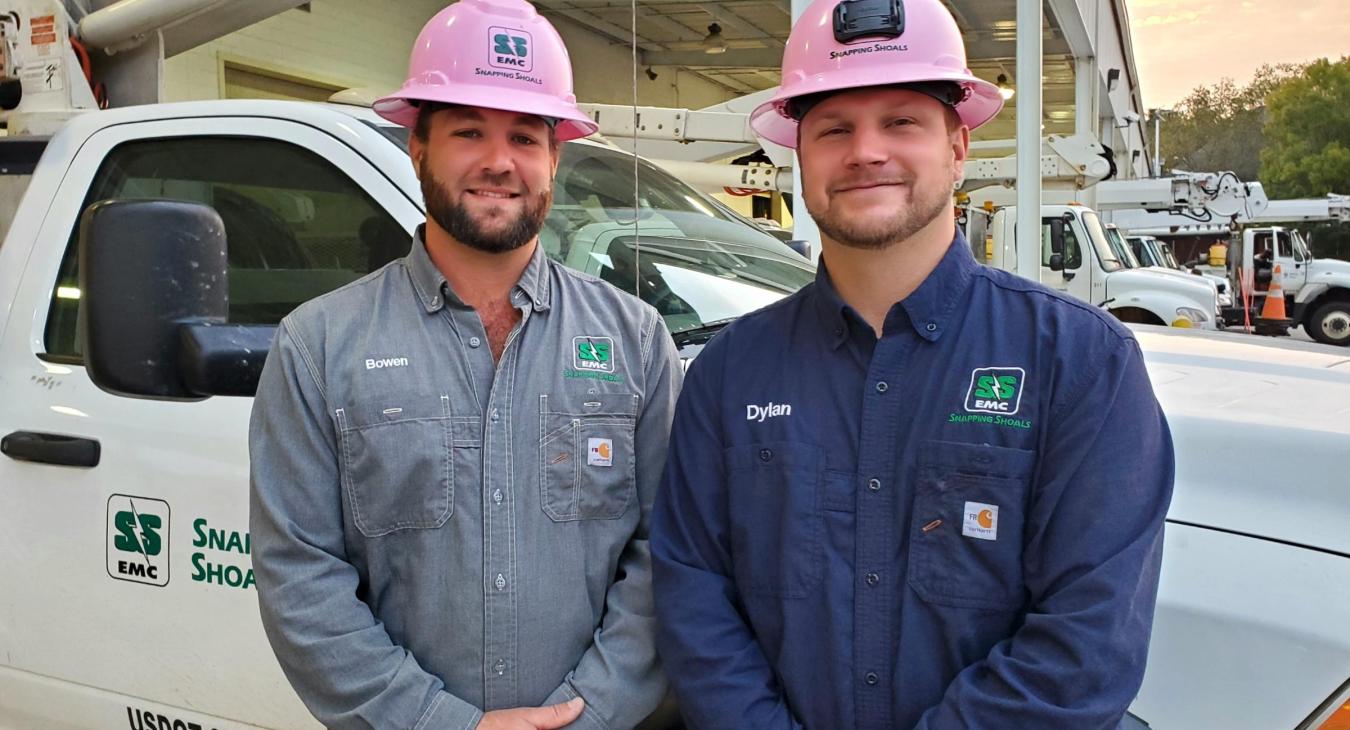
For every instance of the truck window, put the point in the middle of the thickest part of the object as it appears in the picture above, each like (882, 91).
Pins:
(297, 227)
(1073, 254)
(1111, 260)
(1301, 252)
(1286, 248)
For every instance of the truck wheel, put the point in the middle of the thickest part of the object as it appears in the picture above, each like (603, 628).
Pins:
(1331, 323)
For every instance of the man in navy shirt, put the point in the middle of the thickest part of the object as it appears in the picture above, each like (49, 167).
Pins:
(919, 492)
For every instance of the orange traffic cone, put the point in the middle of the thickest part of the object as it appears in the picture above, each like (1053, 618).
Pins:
(1274, 320)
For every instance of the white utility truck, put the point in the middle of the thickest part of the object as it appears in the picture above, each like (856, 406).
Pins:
(131, 339)
(1153, 253)
(1148, 257)
(1078, 258)
(1317, 291)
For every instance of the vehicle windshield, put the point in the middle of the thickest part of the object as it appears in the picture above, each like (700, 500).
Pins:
(1142, 251)
(1106, 254)
(1301, 250)
(1121, 248)
(1169, 258)
(681, 251)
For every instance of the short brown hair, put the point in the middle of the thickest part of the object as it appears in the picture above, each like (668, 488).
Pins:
(425, 111)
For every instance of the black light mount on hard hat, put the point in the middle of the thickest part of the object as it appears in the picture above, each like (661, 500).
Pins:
(854, 19)
(947, 93)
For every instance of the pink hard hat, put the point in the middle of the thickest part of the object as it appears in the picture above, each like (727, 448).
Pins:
(848, 44)
(494, 54)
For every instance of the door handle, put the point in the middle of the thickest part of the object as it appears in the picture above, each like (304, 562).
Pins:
(51, 448)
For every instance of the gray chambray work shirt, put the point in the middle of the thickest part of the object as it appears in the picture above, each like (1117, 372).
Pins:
(436, 534)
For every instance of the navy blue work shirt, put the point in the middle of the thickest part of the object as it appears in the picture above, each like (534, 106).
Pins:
(959, 524)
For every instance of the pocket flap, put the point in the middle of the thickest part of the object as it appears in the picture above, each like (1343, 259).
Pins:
(597, 404)
(392, 408)
(979, 459)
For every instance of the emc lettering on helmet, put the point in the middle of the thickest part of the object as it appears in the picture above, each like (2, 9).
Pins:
(511, 49)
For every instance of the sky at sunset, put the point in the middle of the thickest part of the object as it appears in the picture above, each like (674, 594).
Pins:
(1181, 44)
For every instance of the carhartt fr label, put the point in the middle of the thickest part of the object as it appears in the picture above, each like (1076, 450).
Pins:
(600, 452)
(980, 521)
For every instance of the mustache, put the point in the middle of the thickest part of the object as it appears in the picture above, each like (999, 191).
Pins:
(505, 181)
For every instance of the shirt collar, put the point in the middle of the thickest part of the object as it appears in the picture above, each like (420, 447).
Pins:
(434, 291)
(929, 308)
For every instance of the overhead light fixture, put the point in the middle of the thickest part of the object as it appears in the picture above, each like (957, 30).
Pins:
(1005, 89)
(714, 43)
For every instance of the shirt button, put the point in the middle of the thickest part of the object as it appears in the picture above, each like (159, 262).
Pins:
(495, 415)
(931, 327)
(435, 301)
(497, 496)
(474, 342)
(882, 387)
(874, 485)
(500, 582)
(872, 678)
(766, 455)
(499, 667)
(873, 579)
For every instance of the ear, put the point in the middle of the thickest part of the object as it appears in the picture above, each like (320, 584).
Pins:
(416, 149)
(960, 141)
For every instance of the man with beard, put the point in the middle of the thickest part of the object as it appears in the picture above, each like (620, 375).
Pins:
(919, 492)
(454, 458)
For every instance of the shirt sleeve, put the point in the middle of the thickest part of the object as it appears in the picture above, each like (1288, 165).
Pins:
(720, 675)
(337, 656)
(618, 676)
(1092, 552)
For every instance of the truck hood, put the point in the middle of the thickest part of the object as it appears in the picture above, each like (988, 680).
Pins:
(1173, 273)
(1261, 429)
(1329, 271)
(1120, 284)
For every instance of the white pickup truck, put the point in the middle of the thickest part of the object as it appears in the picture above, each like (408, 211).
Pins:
(126, 593)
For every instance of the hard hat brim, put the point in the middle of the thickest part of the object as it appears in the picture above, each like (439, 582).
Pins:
(401, 106)
(771, 121)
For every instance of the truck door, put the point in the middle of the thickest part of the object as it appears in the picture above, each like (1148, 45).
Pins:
(127, 579)
(1072, 256)
(1292, 270)
(1295, 272)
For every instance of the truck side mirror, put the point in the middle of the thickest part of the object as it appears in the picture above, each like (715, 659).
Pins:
(1057, 239)
(800, 246)
(155, 281)
(1056, 262)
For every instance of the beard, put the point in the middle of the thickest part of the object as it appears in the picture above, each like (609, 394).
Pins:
(879, 232)
(456, 220)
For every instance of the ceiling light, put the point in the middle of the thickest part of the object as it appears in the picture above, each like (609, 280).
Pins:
(1004, 88)
(714, 43)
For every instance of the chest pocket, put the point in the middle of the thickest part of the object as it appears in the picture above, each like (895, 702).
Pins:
(774, 503)
(397, 460)
(967, 528)
(587, 455)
